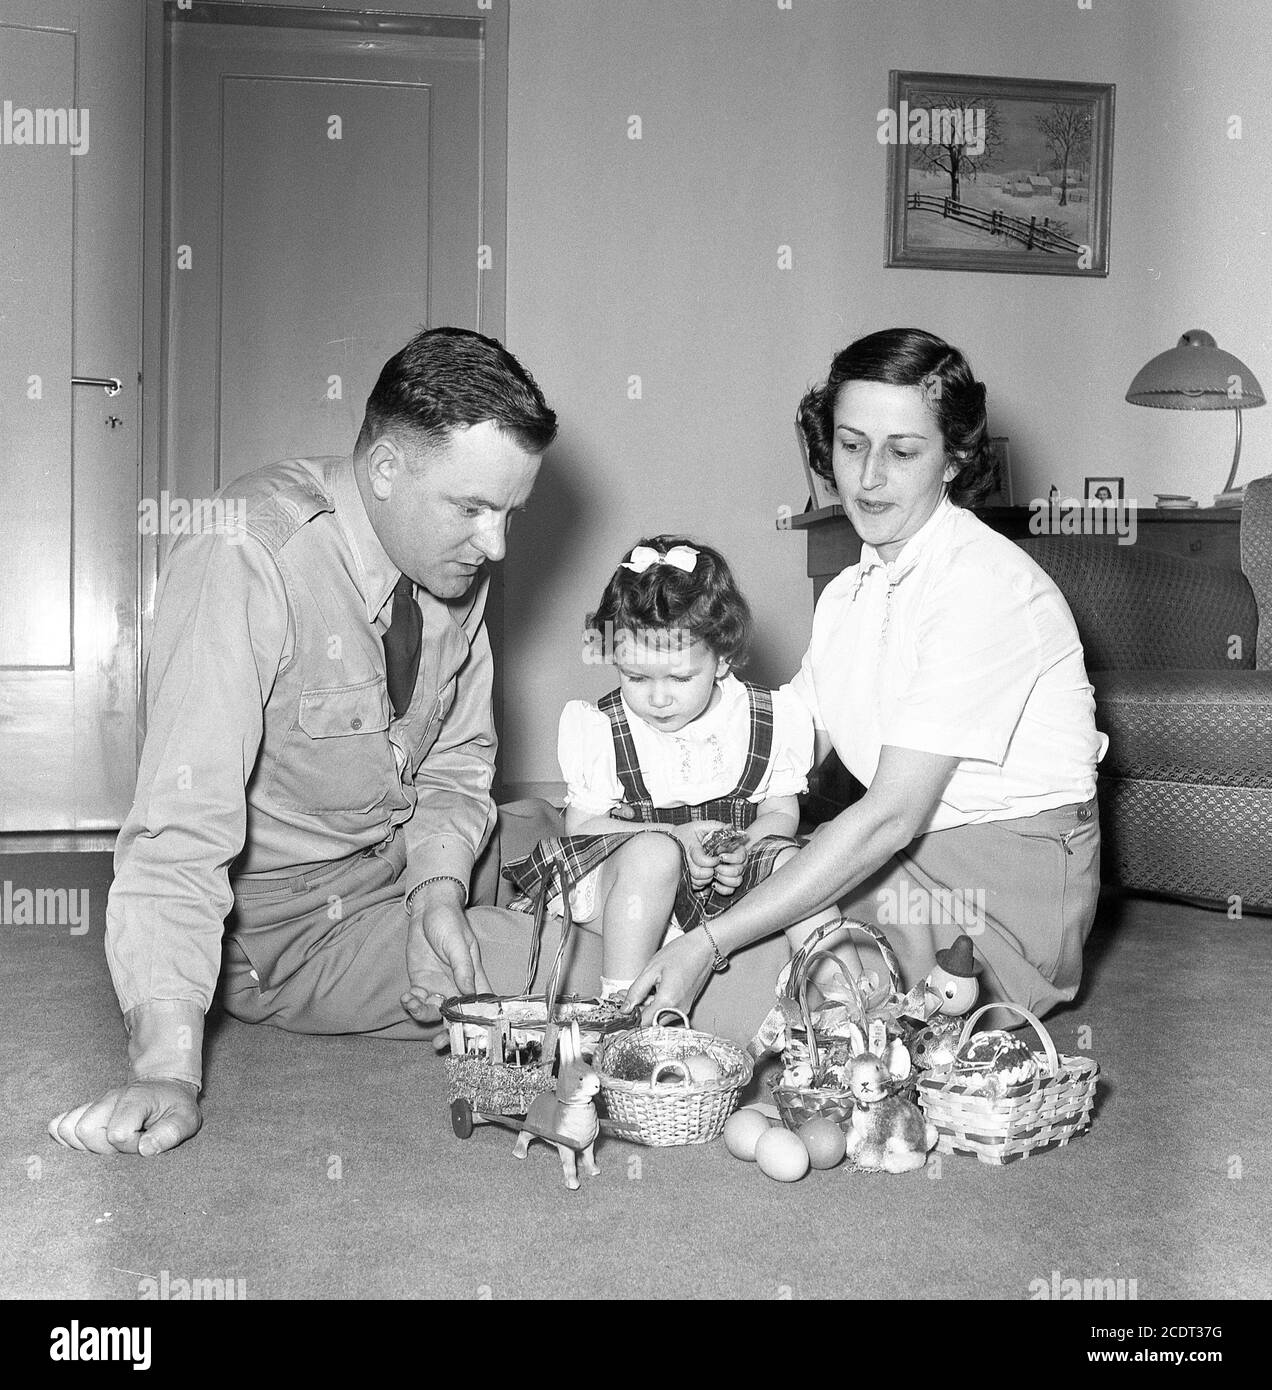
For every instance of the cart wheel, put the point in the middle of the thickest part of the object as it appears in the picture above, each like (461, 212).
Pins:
(461, 1118)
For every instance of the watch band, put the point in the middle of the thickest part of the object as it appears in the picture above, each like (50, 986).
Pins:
(719, 963)
(437, 878)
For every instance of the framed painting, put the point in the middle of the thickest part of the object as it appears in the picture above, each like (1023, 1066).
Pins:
(998, 173)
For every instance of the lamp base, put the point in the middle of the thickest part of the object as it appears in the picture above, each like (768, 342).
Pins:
(1233, 497)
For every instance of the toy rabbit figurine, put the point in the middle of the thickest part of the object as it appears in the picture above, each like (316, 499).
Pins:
(568, 1119)
(887, 1131)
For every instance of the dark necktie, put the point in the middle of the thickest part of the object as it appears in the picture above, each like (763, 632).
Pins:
(402, 646)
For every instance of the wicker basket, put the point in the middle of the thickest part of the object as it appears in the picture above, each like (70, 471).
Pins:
(502, 1084)
(797, 1104)
(683, 1112)
(1040, 1114)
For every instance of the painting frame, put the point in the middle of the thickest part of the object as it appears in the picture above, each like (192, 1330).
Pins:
(821, 492)
(1001, 495)
(996, 113)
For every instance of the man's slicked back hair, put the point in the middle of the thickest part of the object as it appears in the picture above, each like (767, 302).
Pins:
(449, 377)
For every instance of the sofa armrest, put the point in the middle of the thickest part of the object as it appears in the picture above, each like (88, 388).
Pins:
(1143, 609)
(1256, 559)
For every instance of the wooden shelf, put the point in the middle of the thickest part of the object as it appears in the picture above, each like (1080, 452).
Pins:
(1209, 534)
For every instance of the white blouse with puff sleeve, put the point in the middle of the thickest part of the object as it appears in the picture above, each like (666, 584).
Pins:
(700, 762)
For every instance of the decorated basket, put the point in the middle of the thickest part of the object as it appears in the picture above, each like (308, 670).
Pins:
(823, 1052)
(1031, 1117)
(646, 1084)
(503, 1047)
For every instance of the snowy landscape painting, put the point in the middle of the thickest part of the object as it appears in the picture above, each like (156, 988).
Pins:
(994, 173)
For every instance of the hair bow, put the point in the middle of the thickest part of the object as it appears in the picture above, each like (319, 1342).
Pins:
(682, 557)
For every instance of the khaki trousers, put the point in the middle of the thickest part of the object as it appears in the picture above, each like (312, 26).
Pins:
(1024, 890)
(325, 952)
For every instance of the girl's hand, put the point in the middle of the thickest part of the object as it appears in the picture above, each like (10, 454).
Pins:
(702, 866)
(729, 870)
(674, 978)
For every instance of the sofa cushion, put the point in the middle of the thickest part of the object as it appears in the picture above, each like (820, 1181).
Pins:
(1138, 609)
(1206, 727)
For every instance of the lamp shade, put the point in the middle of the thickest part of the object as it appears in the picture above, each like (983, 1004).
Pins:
(1196, 375)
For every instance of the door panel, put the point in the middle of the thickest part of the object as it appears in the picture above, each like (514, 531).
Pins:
(69, 267)
(38, 68)
(327, 187)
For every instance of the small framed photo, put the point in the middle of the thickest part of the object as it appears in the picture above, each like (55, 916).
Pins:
(1001, 496)
(1104, 492)
(821, 493)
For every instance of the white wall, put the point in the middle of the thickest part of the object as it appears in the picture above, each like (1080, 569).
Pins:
(659, 258)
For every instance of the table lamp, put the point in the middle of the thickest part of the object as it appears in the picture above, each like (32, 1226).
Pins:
(1198, 375)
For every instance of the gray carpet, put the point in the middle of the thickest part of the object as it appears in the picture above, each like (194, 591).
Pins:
(327, 1168)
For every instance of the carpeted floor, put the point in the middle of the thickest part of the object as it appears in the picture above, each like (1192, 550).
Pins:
(327, 1167)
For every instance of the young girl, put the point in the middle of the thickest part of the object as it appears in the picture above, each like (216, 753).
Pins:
(680, 750)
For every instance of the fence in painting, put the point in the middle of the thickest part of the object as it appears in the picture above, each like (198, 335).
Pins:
(1035, 234)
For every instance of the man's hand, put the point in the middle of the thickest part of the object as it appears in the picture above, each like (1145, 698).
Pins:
(702, 866)
(143, 1117)
(675, 976)
(442, 954)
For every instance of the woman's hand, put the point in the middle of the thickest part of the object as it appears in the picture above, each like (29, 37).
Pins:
(674, 978)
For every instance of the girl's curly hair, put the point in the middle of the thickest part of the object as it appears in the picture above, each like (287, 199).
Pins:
(910, 357)
(705, 604)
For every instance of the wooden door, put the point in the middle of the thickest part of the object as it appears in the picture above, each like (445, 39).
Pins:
(330, 183)
(70, 208)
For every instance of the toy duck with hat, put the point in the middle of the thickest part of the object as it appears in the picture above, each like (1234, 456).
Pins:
(953, 979)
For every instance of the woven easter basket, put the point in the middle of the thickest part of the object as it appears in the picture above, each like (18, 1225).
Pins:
(797, 1104)
(1030, 1118)
(525, 1025)
(678, 1110)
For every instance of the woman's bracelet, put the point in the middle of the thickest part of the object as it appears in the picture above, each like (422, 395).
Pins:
(720, 963)
(437, 878)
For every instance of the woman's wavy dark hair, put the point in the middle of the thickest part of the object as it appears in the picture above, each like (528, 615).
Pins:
(706, 604)
(910, 357)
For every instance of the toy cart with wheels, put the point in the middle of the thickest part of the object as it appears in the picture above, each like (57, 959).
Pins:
(503, 1049)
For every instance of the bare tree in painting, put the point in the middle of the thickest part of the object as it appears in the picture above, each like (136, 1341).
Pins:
(1067, 129)
(953, 158)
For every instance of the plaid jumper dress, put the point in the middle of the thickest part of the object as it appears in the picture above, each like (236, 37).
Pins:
(571, 857)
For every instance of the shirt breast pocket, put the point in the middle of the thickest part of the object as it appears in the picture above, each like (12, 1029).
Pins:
(337, 756)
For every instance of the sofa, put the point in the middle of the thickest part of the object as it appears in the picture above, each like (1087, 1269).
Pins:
(1180, 655)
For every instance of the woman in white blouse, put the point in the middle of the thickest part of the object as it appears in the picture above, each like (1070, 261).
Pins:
(946, 672)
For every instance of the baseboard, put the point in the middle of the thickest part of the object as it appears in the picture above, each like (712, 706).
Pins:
(549, 791)
(58, 841)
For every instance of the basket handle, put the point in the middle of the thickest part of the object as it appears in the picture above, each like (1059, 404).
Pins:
(1049, 1047)
(536, 934)
(801, 959)
(669, 1066)
(683, 1017)
(806, 975)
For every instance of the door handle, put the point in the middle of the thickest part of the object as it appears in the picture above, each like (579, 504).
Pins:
(110, 384)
